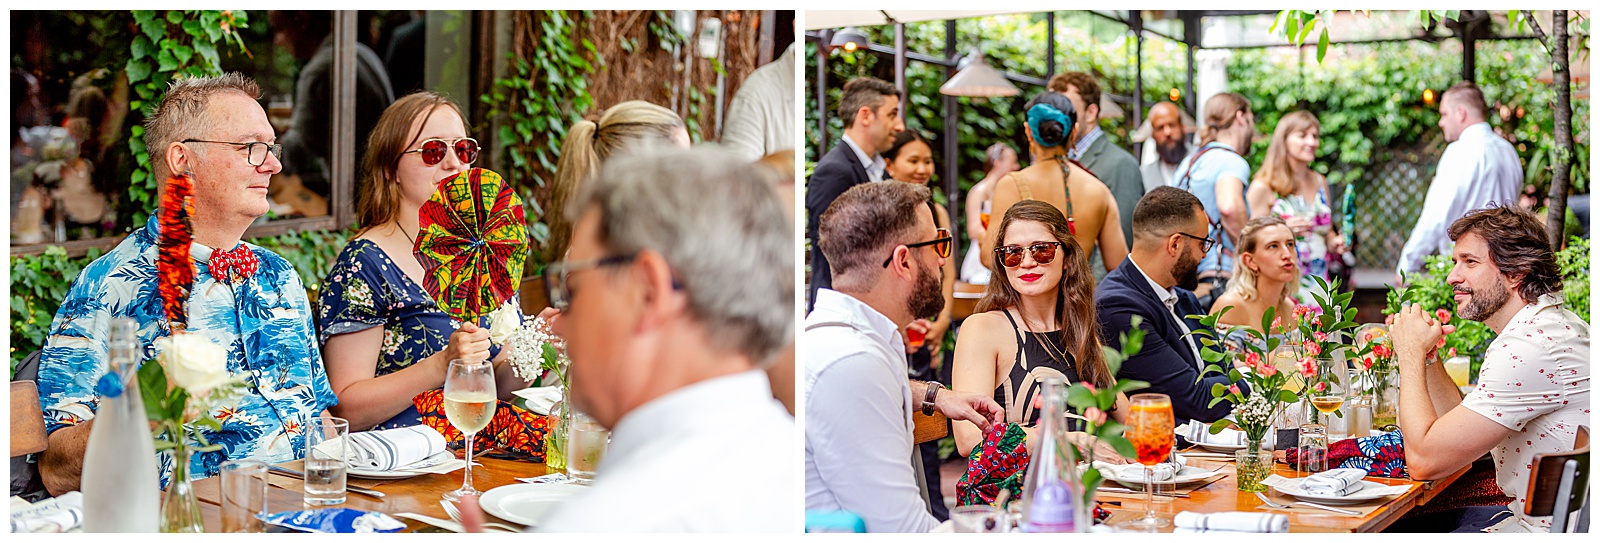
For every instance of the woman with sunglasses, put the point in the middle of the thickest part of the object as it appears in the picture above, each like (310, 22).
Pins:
(1266, 273)
(590, 143)
(1036, 320)
(384, 341)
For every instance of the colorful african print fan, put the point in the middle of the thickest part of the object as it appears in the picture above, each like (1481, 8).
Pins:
(472, 243)
(174, 267)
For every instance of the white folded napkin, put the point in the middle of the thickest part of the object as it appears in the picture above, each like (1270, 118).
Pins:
(1134, 473)
(1198, 432)
(540, 399)
(1366, 492)
(387, 450)
(1233, 521)
(55, 515)
(1334, 482)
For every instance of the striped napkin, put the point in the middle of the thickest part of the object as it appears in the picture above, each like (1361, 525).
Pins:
(1233, 521)
(1198, 432)
(1334, 482)
(387, 450)
(63, 513)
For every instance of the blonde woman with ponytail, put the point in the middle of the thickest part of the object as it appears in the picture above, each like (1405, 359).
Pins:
(1266, 274)
(590, 143)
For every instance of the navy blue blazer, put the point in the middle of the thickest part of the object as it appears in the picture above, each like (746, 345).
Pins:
(838, 170)
(1165, 361)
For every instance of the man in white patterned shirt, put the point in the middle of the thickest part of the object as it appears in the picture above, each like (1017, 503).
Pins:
(1533, 389)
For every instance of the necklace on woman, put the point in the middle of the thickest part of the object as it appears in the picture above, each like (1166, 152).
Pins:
(403, 233)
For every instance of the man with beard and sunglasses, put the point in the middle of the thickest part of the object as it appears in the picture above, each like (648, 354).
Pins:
(887, 259)
(1533, 389)
(1171, 235)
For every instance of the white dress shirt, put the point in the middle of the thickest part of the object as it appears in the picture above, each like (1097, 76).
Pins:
(1170, 297)
(1534, 381)
(1478, 169)
(858, 417)
(761, 115)
(874, 164)
(714, 456)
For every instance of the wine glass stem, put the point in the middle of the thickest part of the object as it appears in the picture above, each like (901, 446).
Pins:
(1149, 493)
(466, 483)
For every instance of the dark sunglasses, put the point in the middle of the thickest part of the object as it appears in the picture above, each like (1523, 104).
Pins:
(1044, 252)
(941, 243)
(433, 150)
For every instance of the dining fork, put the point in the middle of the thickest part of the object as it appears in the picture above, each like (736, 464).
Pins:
(1276, 505)
(455, 515)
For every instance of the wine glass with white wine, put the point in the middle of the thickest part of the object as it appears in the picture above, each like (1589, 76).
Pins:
(469, 403)
(1328, 392)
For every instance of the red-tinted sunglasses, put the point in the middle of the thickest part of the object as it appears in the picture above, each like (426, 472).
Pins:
(433, 150)
(1044, 252)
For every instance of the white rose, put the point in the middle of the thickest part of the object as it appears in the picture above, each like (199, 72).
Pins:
(193, 362)
(504, 322)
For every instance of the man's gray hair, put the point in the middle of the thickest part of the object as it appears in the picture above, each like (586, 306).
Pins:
(716, 220)
(181, 113)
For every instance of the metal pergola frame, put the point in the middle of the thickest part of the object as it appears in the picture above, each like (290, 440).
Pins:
(1473, 26)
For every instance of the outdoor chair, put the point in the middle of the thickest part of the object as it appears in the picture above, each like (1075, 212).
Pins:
(1559, 485)
(28, 437)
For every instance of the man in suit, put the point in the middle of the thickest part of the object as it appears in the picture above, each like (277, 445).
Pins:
(870, 108)
(1114, 166)
(1171, 229)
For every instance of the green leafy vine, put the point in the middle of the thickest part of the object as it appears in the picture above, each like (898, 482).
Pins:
(168, 45)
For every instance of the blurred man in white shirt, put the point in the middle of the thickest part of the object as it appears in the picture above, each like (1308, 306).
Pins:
(1478, 168)
(672, 303)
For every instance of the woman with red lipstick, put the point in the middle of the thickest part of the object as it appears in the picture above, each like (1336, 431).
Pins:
(1265, 274)
(1038, 322)
(1288, 188)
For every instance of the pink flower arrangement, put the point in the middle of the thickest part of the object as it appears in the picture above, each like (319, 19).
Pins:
(1312, 348)
(1308, 367)
(1252, 360)
(1095, 415)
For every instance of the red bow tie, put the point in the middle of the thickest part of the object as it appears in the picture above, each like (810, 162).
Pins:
(233, 265)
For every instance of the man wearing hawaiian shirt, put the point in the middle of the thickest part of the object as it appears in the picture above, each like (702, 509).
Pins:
(246, 299)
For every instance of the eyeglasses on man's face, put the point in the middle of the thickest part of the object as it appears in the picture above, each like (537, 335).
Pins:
(1206, 243)
(941, 243)
(255, 151)
(556, 275)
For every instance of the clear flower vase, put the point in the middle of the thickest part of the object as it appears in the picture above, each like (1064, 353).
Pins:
(180, 507)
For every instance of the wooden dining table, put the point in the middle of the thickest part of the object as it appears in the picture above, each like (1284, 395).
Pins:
(1223, 495)
(419, 494)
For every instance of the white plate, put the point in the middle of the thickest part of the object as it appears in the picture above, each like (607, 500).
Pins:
(1188, 474)
(526, 504)
(442, 456)
(1220, 448)
(1296, 491)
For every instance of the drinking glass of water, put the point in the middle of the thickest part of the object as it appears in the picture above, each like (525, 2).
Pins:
(325, 460)
(588, 440)
(469, 403)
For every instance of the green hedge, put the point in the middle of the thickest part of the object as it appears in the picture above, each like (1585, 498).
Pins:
(40, 282)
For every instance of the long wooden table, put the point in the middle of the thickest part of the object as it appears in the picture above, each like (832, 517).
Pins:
(1224, 495)
(420, 494)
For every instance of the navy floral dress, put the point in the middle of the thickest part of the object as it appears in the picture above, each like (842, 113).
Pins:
(366, 289)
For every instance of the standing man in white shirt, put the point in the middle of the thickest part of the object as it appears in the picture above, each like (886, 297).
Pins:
(1533, 390)
(1478, 168)
(761, 115)
(672, 303)
(888, 259)
(870, 108)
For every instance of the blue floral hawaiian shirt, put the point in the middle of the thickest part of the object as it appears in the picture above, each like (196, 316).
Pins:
(265, 323)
